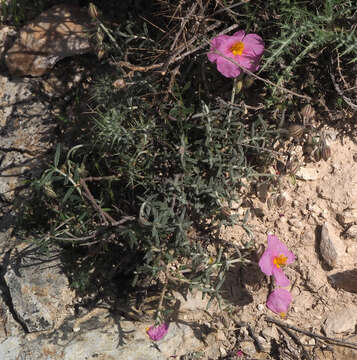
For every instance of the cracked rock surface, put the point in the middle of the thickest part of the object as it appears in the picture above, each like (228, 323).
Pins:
(38, 288)
(26, 129)
(59, 32)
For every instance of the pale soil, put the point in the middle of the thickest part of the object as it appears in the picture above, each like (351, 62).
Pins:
(309, 205)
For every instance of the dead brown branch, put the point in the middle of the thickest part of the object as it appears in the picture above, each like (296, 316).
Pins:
(338, 89)
(107, 219)
(311, 334)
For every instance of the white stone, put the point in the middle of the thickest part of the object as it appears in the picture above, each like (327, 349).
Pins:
(341, 321)
(247, 347)
(307, 174)
(331, 247)
(10, 349)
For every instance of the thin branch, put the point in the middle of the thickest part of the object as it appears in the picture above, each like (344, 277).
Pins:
(138, 68)
(100, 178)
(232, 102)
(105, 216)
(298, 342)
(230, 7)
(183, 24)
(262, 79)
(311, 334)
(90, 197)
(162, 295)
(340, 92)
(176, 57)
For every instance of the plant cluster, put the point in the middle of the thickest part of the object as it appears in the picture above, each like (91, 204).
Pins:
(145, 188)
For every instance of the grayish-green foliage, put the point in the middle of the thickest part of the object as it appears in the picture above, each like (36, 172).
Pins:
(165, 170)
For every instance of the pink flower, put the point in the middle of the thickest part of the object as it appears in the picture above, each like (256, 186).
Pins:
(279, 301)
(246, 50)
(239, 353)
(275, 256)
(157, 332)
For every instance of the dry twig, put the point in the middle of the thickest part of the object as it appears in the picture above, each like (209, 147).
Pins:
(105, 216)
(311, 334)
(340, 92)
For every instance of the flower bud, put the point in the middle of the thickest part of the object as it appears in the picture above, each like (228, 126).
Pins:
(307, 112)
(93, 11)
(295, 131)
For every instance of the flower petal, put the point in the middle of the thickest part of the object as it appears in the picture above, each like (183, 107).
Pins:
(224, 44)
(279, 301)
(239, 35)
(227, 68)
(280, 277)
(157, 332)
(253, 45)
(249, 62)
(216, 44)
(266, 263)
(277, 248)
(239, 353)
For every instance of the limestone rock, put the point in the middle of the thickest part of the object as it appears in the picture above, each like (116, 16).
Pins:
(102, 335)
(104, 344)
(346, 280)
(352, 232)
(192, 302)
(248, 348)
(25, 129)
(307, 174)
(10, 348)
(6, 34)
(341, 321)
(330, 245)
(8, 325)
(134, 343)
(39, 293)
(348, 216)
(7, 240)
(59, 32)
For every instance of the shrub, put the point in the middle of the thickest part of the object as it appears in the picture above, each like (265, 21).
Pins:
(147, 185)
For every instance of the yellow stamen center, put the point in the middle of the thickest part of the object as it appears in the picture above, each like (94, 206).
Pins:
(237, 48)
(280, 260)
(282, 314)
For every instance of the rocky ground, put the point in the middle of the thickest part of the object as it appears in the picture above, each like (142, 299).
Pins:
(317, 221)
(313, 211)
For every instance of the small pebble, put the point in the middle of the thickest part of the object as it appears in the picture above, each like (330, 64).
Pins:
(327, 246)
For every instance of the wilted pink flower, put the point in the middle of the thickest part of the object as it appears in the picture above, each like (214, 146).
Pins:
(245, 49)
(279, 301)
(274, 258)
(157, 332)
